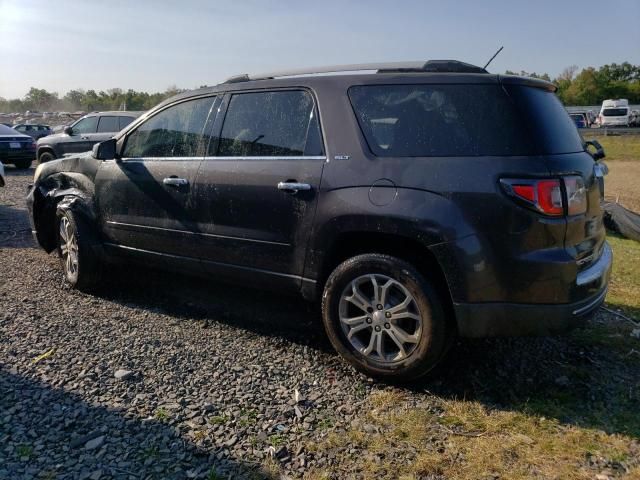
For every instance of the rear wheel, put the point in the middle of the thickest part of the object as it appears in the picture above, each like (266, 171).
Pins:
(22, 164)
(80, 264)
(384, 317)
(46, 157)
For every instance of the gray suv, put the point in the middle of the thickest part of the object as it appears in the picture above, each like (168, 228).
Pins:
(414, 203)
(82, 135)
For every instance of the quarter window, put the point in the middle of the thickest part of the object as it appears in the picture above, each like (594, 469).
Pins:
(108, 124)
(174, 132)
(270, 124)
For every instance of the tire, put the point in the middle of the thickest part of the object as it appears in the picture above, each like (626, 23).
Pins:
(46, 157)
(422, 322)
(82, 270)
(22, 164)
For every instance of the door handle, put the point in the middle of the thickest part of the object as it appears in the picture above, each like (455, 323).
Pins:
(175, 181)
(293, 187)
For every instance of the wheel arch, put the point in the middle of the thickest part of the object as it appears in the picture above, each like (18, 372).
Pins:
(349, 244)
(70, 191)
(45, 148)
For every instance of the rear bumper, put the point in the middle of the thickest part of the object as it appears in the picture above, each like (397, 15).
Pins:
(9, 158)
(517, 319)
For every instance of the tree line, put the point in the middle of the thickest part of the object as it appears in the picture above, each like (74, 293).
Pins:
(588, 87)
(41, 100)
(591, 86)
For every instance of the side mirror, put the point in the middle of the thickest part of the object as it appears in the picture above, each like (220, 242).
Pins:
(68, 130)
(599, 153)
(105, 150)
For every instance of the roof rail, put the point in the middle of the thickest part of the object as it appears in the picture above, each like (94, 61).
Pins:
(435, 66)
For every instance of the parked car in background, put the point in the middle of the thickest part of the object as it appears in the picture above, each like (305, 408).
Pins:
(384, 196)
(83, 134)
(16, 148)
(2, 180)
(614, 113)
(34, 131)
(580, 119)
(634, 119)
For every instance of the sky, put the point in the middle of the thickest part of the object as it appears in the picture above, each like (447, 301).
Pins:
(149, 45)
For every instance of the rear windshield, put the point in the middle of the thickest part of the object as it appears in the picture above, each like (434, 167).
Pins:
(4, 130)
(462, 120)
(614, 112)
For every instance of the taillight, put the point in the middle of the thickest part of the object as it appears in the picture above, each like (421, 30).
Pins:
(576, 195)
(546, 196)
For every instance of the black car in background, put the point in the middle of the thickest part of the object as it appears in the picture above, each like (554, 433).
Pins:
(16, 148)
(33, 130)
(83, 134)
(386, 197)
(580, 119)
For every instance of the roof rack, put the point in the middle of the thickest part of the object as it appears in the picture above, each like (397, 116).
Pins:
(432, 66)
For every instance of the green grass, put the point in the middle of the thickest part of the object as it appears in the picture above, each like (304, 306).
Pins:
(624, 289)
(218, 419)
(619, 147)
(161, 415)
(24, 451)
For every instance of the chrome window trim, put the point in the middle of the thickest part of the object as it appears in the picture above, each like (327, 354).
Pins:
(274, 157)
(283, 157)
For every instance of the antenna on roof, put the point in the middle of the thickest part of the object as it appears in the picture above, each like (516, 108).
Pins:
(494, 56)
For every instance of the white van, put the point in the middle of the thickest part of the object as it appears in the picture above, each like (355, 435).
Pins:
(614, 113)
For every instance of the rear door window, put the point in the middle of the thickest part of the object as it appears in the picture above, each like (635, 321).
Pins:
(174, 132)
(108, 124)
(270, 124)
(460, 120)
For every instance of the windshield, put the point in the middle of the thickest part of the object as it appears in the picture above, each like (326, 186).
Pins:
(614, 112)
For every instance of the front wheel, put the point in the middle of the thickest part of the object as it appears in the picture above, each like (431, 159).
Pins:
(46, 157)
(384, 317)
(79, 262)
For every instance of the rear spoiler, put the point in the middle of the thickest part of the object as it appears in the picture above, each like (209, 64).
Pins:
(527, 81)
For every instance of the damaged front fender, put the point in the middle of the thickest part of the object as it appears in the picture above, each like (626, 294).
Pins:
(58, 192)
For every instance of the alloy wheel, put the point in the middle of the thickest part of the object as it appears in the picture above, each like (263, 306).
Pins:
(380, 318)
(68, 247)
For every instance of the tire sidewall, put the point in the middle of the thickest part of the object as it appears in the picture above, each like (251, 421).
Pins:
(433, 340)
(46, 157)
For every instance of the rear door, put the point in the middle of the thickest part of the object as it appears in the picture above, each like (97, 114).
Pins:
(145, 198)
(258, 186)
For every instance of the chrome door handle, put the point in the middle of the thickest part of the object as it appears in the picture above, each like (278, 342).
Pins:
(175, 181)
(293, 187)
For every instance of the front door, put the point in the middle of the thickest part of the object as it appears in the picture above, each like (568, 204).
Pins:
(145, 197)
(79, 140)
(257, 188)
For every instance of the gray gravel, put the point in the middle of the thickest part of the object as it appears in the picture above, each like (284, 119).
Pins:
(155, 376)
(163, 376)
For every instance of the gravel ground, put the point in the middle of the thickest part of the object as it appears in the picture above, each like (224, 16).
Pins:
(160, 376)
(153, 376)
